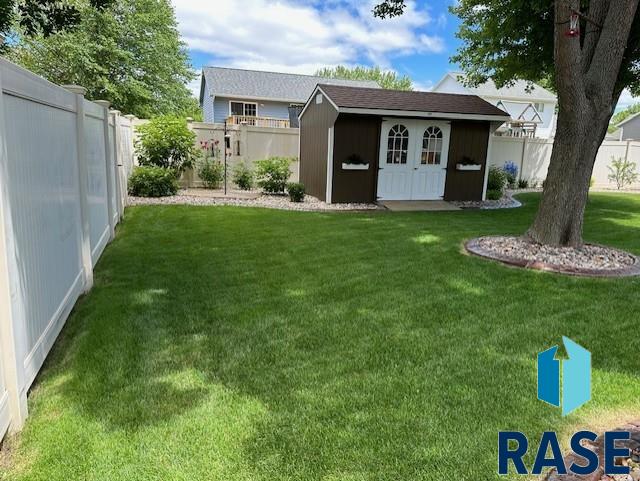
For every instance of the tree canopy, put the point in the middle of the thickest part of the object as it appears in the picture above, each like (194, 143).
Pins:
(126, 51)
(387, 79)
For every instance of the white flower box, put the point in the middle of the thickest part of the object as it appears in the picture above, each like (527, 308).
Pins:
(346, 166)
(468, 167)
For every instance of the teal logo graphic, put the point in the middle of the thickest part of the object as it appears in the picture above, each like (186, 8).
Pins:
(576, 377)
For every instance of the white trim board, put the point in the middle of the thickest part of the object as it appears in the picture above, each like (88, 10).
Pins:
(313, 95)
(329, 191)
(424, 115)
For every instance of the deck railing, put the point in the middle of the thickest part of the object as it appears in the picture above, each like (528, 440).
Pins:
(258, 121)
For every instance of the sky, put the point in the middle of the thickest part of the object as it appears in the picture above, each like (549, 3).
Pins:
(302, 36)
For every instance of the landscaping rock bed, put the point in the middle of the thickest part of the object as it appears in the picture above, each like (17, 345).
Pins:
(598, 446)
(269, 201)
(589, 260)
(507, 202)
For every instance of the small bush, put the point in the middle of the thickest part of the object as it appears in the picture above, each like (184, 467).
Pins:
(166, 141)
(497, 179)
(211, 172)
(149, 181)
(273, 174)
(523, 184)
(622, 172)
(511, 173)
(494, 194)
(243, 177)
(296, 191)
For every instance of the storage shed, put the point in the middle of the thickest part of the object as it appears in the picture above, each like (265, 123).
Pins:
(368, 145)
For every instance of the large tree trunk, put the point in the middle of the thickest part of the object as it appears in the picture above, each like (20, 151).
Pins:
(560, 216)
(587, 71)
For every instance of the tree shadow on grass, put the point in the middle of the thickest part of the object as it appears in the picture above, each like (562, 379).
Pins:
(375, 348)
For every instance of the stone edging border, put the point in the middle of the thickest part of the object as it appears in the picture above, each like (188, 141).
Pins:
(598, 448)
(472, 246)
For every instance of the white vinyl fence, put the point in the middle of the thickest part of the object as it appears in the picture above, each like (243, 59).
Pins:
(247, 144)
(64, 163)
(532, 157)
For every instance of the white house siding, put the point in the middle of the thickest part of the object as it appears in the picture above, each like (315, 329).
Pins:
(543, 130)
(276, 110)
(451, 86)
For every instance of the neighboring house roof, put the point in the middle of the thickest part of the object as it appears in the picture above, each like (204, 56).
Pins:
(520, 89)
(254, 84)
(628, 119)
(353, 98)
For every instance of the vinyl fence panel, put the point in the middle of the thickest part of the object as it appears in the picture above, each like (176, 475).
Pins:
(96, 163)
(54, 199)
(533, 156)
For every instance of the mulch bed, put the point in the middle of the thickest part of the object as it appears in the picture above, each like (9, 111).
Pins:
(598, 446)
(590, 260)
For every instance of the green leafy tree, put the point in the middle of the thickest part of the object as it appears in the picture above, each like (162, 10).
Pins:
(41, 17)
(166, 141)
(386, 79)
(128, 52)
(511, 39)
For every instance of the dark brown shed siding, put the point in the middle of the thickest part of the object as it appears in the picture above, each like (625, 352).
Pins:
(468, 139)
(314, 145)
(355, 134)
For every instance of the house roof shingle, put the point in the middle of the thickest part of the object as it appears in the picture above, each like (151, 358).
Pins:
(229, 82)
(409, 101)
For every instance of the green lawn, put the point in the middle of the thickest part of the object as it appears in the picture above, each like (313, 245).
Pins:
(248, 344)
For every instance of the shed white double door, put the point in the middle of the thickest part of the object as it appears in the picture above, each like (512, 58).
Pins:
(413, 159)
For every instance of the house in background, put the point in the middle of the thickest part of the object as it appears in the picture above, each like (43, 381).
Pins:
(256, 98)
(366, 145)
(532, 108)
(629, 128)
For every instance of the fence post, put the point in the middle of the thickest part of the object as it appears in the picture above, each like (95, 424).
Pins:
(626, 151)
(524, 155)
(83, 175)
(118, 162)
(109, 168)
(12, 326)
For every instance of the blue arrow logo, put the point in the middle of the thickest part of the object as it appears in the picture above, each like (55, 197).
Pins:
(576, 376)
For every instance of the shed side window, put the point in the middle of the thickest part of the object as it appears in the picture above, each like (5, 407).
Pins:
(431, 146)
(398, 144)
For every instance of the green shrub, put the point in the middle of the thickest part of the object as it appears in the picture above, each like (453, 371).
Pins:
(497, 179)
(211, 172)
(166, 141)
(523, 184)
(149, 181)
(273, 173)
(243, 177)
(494, 194)
(622, 172)
(296, 191)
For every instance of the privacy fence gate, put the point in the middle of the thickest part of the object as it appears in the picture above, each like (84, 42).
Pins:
(64, 164)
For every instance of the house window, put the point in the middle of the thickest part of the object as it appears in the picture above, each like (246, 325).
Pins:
(539, 107)
(398, 144)
(431, 146)
(243, 109)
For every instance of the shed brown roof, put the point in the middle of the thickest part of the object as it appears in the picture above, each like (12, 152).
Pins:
(402, 100)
